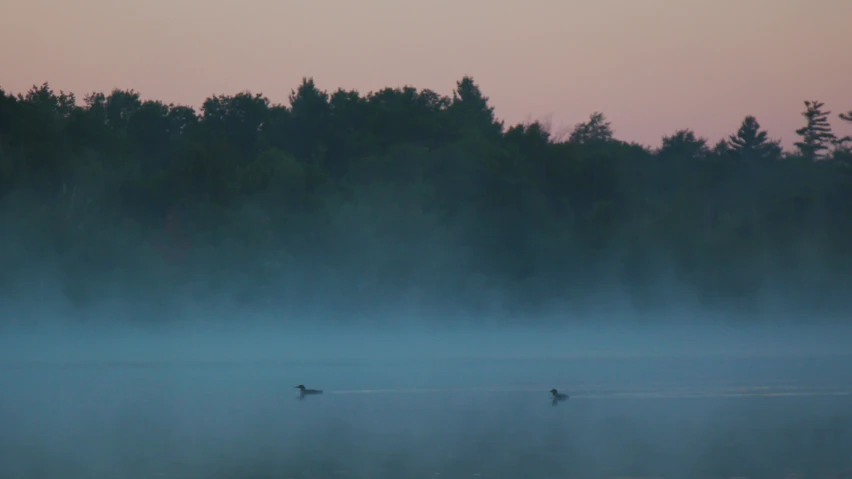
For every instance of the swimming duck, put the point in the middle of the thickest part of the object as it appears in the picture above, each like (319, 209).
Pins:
(305, 392)
(557, 396)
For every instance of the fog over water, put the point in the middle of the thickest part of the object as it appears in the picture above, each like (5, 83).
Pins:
(421, 402)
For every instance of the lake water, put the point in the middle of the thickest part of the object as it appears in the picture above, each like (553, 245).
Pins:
(683, 417)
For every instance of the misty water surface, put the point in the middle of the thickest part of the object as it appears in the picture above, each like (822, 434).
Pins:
(684, 417)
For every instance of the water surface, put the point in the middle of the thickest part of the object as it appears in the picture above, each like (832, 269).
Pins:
(675, 417)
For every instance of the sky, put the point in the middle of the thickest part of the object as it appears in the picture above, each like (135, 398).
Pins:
(652, 66)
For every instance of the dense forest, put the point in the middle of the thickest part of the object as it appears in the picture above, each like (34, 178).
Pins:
(404, 201)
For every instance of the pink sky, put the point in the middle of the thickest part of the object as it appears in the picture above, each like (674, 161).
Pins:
(652, 66)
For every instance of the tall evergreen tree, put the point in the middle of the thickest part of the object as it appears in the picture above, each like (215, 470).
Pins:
(471, 108)
(816, 134)
(845, 142)
(752, 142)
(310, 114)
(7, 103)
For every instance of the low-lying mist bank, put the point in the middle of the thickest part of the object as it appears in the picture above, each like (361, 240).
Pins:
(405, 202)
(356, 267)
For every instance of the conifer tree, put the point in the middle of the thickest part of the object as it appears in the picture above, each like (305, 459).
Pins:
(816, 134)
(752, 142)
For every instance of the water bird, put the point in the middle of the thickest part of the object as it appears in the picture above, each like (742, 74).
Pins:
(557, 396)
(306, 392)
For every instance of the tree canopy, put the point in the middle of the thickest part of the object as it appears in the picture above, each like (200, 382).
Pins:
(404, 198)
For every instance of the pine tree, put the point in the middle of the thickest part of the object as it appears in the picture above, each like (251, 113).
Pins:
(471, 108)
(752, 142)
(845, 143)
(817, 134)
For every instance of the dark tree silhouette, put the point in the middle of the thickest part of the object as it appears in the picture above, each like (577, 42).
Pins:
(845, 144)
(596, 130)
(471, 109)
(683, 144)
(310, 120)
(119, 107)
(752, 142)
(816, 134)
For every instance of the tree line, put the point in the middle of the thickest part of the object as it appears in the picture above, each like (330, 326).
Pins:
(406, 197)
